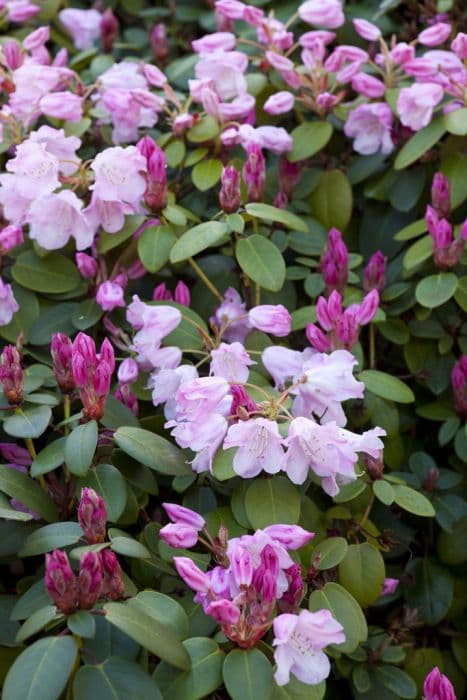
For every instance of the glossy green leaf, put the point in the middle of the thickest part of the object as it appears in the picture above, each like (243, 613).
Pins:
(413, 230)
(204, 677)
(295, 690)
(332, 188)
(128, 547)
(206, 129)
(82, 623)
(80, 447)
(262, 261)
(413, 501)
(308, 139)
(429, 588)
(384, 492)
(247, 675)
(330, 552)
(282, 216)
(418, 253)
(152, 450)
(53, 536)
(396, 680)
(55, 319)
(20, 486)
(115, 679)
(362, 573)
(154, 246)
(456, 122)
(86, 314)
(419, 144)
(53, 274)
(108, 241)
(36, 622)
(145, 630)
(346, 610)
(51, 457)
(42, 670)
(387, 387)
(270, 501)
(28, 422)
(435, 290)
(164, 609)
(197, 239)
(206, 174)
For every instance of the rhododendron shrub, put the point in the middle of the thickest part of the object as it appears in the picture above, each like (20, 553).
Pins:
(233, 366)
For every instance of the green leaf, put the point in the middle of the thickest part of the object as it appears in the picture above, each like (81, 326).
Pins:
(23, 319)
(197, 239)
(222, 467)
(53, 274)
(145, 630)
(295, 690)
(247, 675)
(206, 174)
(413, 501)
(108, 241)
(454, 166)
(308, 139)
(175, 153)
(82, 623)
(282, 216)
(110, 641)
(386, 386)
(418, 253)
(117, 414)
(189, 331)
(20, 486)
(436, 289)
(49, 458)
(204, 677)
(33, 599)
(80, 446)
(56, 319)
(36, 622)
(164, 609)
(110, 485)
(42, 670)
(362, 572)
(456, 122)
(452, 546)
(270, 501)
(115, 679)
(127, 546)
(396, 680)
(346, 610)
(419, 144)
(333, 187)
(86, 314)
(50, 537)
(154, 246)
(205, 130)
(262, 261)
(330, 552)
(152, 450)
(28, 422)
(429, 588)
(413, 230)
(384, 492)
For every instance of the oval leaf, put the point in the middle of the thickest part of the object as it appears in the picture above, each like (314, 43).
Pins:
(362, 573)
(413, 501)
(270, 501)
(419, 144)
(20, 486)
(80, 447)
(346, 610)
(330, 552)
(434, 290)
(204, 677)
(49, 458)
(28, 422)
(282, 216)
(51, 537)
(197, 239)
(247, 675)
(262, 261)
(308, 139)
(164, 609)
(206, 174)
(152, 450)
(154, 246)
(333, 187)
(115, 679)
(385, 386)
(53, 274)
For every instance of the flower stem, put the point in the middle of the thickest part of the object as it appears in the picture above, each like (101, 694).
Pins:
(372, 347)
(205, 279)
(32, 453)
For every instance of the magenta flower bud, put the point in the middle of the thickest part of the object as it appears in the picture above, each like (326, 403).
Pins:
(101, 379)
(241, 402)
(289, 536)
(90, 579)
(323, 314)
(441, 196)
(86, 265)
(367, 30)
(334, 264)
(389, 586)
(79, 369)
(61, 350)
(289, 175)
(368, 308)
(109, 27)
(161, 293)
(374, 275)
(154, 76)
(113, 586)
(85, 346)
(317, 339)
(60, 582)
(241, 565)
(110, 295)
(254, 172)
(156, 191)
(10, 237)
(182, 123)
(458, 46)
(182, 294)
(159, 42)
(14, 57)
(281, 200)
(229, 195)
(435, 35)
(107, 354)
(146, 146)
(61, 59)
(192, 575)
(184, 516)
(271, 318)
(459, 386)
(127, 398)
(270, 560)
(136, 270)
(223, 611)
(268, 587)
(92, 515)
(292, 598)
(128, 371)
(11, 375)
(15, 454)
(179, 535)
(368, 85)
(437, 686)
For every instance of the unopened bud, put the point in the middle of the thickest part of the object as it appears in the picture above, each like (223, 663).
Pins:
(90, 579)
(61, 350)
(61, 582)
(254, 172)
(92, 515)
(113, 586)
(109, 27)
(159, 42)
(11, 375)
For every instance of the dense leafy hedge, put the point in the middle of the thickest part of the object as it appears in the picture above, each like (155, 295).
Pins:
(233, 269)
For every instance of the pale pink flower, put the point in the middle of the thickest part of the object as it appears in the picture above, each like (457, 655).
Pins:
(225, 69)
(416, 103)
(164, 385)
(200, 396)
(459, 46)
(8, 304)
(323, 13)
(367, 30)
(435, 35)
(271, 318)
(34, 171)
(108, 214)
(282, 363)
(32, 83)
(370, 126)
(224, 41)
(179, 535)
(279, 103)
(62, 105)
(53, 218)
(119, 174)
(231, 361)
(203, 436)
(180, 514)
(260, 447)
(232, 316)
(368, 85)
(82, 25)
(62, 147)
(299, 640)
(110, 295)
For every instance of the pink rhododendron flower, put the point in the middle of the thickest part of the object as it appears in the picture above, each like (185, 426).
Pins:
(271, 318)
(299, 640)
(231, 361)
(282, 363)
(415, 104)
(323, 13)
(437, 686)
(110, 295)
(33, 171)
(370, 126)
(62, 147)
(279, 103)
(459, 46)
(202, 435)
(367, 30)
(62, 105)
(200, 396)
(119, 174)
(435, 35)
(8, 304)
(260, 447)
(225, 69)
(54, 218)
(224, 41)
(82, 25)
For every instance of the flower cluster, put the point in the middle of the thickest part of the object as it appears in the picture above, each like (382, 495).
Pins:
(447, 250)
